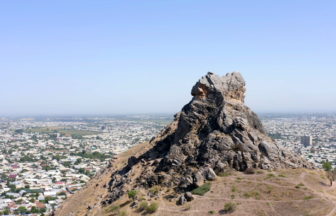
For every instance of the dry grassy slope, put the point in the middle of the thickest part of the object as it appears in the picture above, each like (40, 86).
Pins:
(257, 194)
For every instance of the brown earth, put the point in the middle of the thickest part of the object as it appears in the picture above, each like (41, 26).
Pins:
(265, 193)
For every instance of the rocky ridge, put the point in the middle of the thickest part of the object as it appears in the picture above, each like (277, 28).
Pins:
(213, 133)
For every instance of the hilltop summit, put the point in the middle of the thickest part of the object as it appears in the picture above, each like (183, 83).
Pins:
(213, 133)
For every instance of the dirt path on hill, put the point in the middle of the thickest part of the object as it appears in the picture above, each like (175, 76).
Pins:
(266, 183)
(247, 200)
(325, 195)
(164, 207)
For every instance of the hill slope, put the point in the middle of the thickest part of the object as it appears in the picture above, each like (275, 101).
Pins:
(255, 194)
(215, 134)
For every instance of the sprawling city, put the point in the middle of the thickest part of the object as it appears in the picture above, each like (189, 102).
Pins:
(45, 160)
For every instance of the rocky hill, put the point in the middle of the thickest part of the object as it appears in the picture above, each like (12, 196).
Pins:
(216, 148)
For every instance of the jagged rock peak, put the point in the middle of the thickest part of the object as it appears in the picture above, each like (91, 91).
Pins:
(214, 132)
(231, 86)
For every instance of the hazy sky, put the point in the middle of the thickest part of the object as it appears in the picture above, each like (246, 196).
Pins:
(138, 56)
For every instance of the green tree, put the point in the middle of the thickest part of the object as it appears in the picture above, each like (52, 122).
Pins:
(12, 188)
(22, 209)
(61, 194)
(327, 166)
(57, 157)
(34, 210)
(46, 168)
(78, 161)
(7, 211)
(67, 163)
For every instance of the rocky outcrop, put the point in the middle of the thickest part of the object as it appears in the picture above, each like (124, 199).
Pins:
(189, 196)
(215, 131)
(182, 200)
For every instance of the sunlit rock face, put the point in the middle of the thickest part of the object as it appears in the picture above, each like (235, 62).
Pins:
(211, 86)
(214, 132)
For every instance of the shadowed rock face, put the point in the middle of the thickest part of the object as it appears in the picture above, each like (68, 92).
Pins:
(215, 131)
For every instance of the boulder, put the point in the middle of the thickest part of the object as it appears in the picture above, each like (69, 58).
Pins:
(209, 174)
(186, 181)
(220, 166)
(198, 179)
(182, 200)
(189, 196)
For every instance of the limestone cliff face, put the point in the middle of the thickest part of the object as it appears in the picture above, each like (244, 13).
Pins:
(214, 132)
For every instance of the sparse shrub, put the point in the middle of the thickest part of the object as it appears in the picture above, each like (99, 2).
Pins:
(152, 207)
(283, 176)
(211, 212)
(230, 207)
(154, 190)
(299, 185)
(132, 194)
(234, 189)
(260, 172)
(233, 196)
(239, 178)
(249, 171)
(122, 213)
(268, 203)
(144, 205)
(307, 213)
(252, 193)
(203, 189)
(308, 197)
(271, 175)
(142, 198)
(269, 189)
(224, 174)
(116, 208)
(269, 170)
